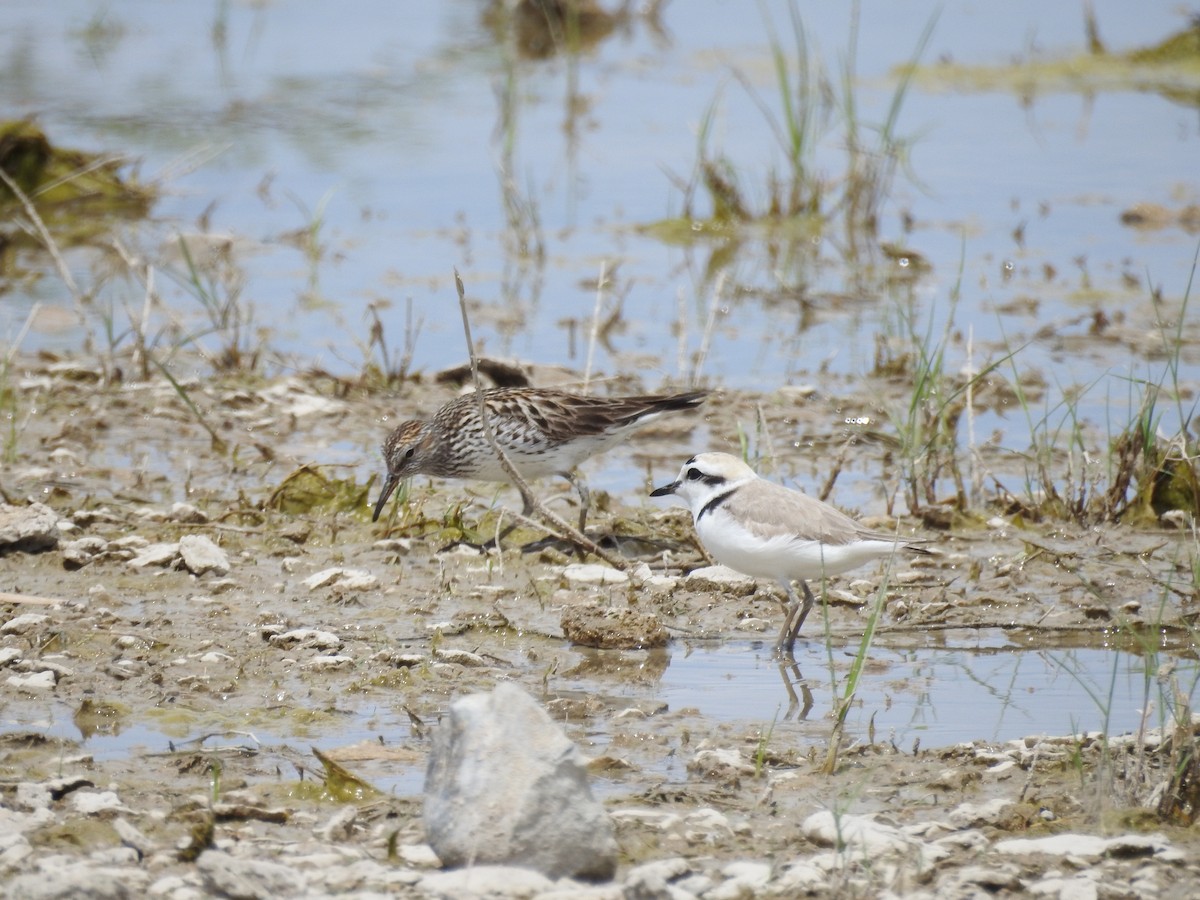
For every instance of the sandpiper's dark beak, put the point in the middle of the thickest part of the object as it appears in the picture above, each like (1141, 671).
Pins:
(389, 485)
(665, 489)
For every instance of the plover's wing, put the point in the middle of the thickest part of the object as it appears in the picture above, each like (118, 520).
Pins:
(771, 510)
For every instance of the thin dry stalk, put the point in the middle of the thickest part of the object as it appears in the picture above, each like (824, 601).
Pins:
(681, 350)
(601, 284)
(44, 233)
(564, 531)
(835, 470)
(714, 307)
(764, 434)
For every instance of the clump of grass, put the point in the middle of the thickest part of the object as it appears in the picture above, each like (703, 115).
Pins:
(843, 703)
(392, 371)
(218, 288)
(812, 109)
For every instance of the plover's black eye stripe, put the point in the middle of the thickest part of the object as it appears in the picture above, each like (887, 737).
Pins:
(694, 474)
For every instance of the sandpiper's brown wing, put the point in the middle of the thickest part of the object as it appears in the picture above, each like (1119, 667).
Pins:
(560, 416)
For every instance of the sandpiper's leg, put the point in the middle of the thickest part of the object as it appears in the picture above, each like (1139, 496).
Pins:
(585, 497)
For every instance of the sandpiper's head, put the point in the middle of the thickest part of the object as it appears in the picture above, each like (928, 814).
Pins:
(405, 453)
(704, 476)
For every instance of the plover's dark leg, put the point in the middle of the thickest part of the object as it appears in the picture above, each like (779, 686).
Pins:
(802, 703)
(795, 614)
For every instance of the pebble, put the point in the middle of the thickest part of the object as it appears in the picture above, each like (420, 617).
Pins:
(345, 579)
(29, 529)
(593, 573)
(721, 579)
(38, 682)
(201, 555)
(306, 638)
(155, 555)
(248, 879)
(485, 881)
(24, 623)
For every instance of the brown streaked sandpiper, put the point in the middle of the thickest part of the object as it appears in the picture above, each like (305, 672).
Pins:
(542, 432)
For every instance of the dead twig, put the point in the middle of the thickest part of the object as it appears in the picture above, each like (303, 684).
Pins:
(563, 531)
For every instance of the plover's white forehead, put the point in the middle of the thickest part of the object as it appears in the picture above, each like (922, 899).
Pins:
(713, 467)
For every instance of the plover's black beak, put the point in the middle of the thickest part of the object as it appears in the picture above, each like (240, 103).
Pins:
(389, 485)
(665, 489)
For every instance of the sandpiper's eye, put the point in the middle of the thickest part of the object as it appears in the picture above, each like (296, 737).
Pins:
(694, 474)
(409, 452)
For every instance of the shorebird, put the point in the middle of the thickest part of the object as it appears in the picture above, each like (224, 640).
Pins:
(766, 530)
(542, 432)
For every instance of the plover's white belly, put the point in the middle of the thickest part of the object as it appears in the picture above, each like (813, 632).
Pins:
(783, 556)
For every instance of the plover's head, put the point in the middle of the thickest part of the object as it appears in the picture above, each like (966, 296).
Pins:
(704, 476)
(406, 452)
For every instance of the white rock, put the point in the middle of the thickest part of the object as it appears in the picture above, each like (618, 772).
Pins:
(24, 623)
(307, 638)
(328, 663)
(155, 555)
(232, 876)
(185, 512)
(459, 657)
(90, 803)
(506, 785)
(84, 880)
(860, 835)
(722, 762)
(202, 556)
(651, 818)
(1084, 845)
(419, 855)
(29, 528)
(32, 796)
(485, 881)
(14, 847)
(706, 825)
(658, 880)
(719, 578)
(1082, 887)
(801, 878)
(742, 879)
(971, 815)
(593, 573)
(338, 576)
(35, 683)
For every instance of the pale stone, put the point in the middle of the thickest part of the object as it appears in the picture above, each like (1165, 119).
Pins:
(24, 623)
(593, 573)
(505, 785)
(201, 555)
(155, 555)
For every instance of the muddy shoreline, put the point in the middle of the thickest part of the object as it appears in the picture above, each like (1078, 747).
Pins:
(331, 632)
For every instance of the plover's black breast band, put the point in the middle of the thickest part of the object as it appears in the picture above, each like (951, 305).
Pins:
(715, 502)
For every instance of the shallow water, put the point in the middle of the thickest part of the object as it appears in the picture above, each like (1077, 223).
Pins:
(971, 686)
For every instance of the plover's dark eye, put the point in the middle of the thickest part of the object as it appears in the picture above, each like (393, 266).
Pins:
(409, 452)
(694, 474)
